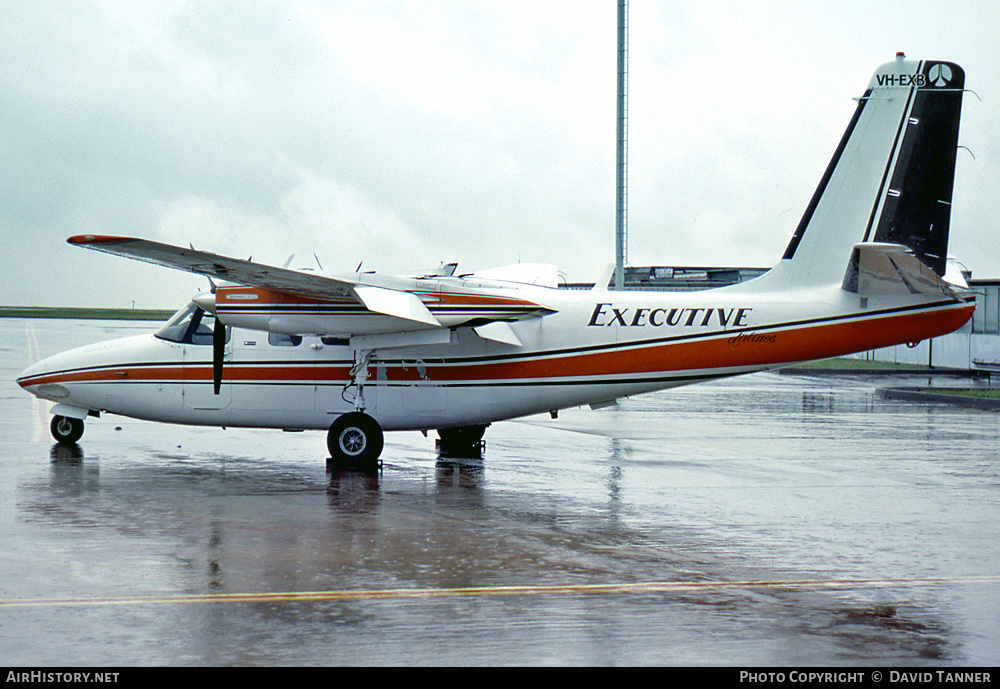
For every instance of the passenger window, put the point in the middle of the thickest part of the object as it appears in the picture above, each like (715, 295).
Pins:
(282, 340)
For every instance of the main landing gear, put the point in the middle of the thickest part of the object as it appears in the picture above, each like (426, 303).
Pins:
(355, 438)
(464, 441)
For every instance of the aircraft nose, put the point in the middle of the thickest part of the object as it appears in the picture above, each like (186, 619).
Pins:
(74, 377)
(31, 373)
(37, 380)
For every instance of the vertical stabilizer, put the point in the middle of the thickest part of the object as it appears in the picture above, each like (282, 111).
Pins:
(890, 179)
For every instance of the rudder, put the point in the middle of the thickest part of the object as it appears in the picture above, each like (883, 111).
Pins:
(916, 207)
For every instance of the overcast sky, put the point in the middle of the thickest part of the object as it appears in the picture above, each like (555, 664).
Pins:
(403, 134)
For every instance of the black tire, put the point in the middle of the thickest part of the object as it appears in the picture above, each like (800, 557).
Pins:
(355, 438)
(461, 437)
(65, 430)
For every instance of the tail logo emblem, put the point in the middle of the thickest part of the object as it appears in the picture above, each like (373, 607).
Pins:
(939, 75)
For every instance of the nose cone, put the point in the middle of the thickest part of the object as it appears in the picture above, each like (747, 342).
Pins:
(42, 380)
(72, 373)
(34, 374)
(90, 377)
(29, 373)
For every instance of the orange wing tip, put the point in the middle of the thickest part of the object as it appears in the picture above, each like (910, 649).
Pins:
(90, 239)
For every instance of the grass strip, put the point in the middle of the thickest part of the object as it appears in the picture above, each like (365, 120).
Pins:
(84, 313)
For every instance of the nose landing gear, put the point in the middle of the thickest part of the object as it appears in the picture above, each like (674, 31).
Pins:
(66, 430)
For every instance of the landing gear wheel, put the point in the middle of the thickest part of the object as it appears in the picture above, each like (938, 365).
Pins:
(65, 430)
(355, 438)
(463, 436)
(464, 441)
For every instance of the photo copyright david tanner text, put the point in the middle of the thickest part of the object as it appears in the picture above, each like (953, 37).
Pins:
(890, 677)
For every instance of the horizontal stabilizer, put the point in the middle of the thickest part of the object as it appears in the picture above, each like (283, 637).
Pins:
(881, 269)
(539, 274)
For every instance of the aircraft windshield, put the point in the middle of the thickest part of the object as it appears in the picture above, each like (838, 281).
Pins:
(190, 325)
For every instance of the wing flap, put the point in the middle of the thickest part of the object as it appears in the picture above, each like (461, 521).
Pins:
(499, 331)
(390, 302)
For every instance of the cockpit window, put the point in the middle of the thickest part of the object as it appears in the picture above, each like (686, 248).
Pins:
(176, 328)
(190, 325)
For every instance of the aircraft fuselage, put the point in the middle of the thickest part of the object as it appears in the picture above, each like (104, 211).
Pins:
(597, 346)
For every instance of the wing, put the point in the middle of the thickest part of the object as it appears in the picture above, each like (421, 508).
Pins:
(295, 302)
(219, 267)
(390, 302)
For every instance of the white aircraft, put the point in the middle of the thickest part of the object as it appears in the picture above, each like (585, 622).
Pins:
(362, 353)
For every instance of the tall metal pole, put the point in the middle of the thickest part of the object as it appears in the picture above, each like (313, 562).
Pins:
(621, 205)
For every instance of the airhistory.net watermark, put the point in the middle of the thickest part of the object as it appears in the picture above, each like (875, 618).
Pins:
(46, 677)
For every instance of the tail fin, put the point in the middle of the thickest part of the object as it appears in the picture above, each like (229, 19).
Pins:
(890, 179)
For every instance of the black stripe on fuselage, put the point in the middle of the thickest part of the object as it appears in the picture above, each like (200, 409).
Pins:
(526, 356)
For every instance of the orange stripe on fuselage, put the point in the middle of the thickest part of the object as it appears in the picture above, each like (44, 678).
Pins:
(747, 348)
(197, 372)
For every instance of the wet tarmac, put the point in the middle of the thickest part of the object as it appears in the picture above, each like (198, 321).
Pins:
(788, 520)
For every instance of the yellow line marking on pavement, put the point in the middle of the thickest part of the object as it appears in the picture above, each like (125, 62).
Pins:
(557, 589)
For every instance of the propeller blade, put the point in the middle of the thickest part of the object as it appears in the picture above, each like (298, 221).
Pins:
(218, 352)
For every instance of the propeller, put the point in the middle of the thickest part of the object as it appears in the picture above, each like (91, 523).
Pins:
(207, 302)
(218, 352)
